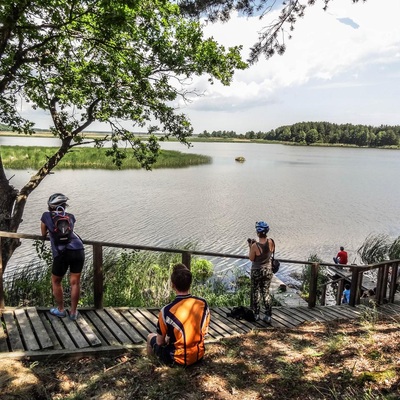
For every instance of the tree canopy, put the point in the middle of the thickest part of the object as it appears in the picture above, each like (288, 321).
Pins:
(323, 132)
(122, 63)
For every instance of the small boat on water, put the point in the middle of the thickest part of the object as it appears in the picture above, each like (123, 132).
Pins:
(240, 159)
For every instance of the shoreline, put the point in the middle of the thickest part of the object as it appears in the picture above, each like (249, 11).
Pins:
(98, 135)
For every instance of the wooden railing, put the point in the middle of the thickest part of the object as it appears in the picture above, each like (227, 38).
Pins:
(98, 274)
(386, 282)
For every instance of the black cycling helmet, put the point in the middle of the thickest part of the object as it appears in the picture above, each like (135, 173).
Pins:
(262, 227)
(56, 200)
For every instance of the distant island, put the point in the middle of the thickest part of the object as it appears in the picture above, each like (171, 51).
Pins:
(301, 133)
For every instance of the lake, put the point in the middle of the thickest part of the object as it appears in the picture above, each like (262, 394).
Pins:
(315, 199)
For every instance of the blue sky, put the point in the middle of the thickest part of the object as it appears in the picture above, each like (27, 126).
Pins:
(341, 66)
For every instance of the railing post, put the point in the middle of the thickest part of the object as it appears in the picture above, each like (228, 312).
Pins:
(353, 286)
(312, 298)
(98, 276)
(393, 282)
(186, 258)
(339, 293)
(2, 304)
(379, 286)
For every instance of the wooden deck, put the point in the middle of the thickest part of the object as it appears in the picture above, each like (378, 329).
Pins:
(34, 333)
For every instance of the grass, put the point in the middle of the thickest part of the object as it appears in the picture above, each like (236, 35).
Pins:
(293, 364)
(24, 157)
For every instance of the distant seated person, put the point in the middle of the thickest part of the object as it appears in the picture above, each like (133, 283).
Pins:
(341, 257)
(182, 324)
(346, 294)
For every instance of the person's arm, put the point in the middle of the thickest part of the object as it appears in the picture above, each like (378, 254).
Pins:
(43, 228)
(252, 251)
(160, 340)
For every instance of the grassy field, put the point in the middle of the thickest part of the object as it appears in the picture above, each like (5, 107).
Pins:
(332, 361)
(24, 157)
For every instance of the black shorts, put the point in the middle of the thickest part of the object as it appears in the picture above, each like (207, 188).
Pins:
(72, 259)
(162, 352)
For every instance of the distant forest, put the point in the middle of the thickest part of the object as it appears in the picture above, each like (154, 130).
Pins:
(322, 132)
(314, 132)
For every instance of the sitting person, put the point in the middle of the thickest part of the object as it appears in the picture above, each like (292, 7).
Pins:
(346, 294)
(182, 324)
(341, 257)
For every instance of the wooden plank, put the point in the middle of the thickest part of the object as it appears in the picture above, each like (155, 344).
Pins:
(3, 338)
(280, 317)
(75, 334)
(26, 330)
(142, 331)
(102, 329)
(248, 325)
(114, 328)
(150, 316)
(232, 323)
(347, 312)
(124, 325)
(142, 320)
(224, 324)
(61, 332)
(40, 330)
(12, 331)
(316, 314)
(331, 314)
(289, 312)
(87, 331)
(308, 314)
(50, 331)
(89, 323)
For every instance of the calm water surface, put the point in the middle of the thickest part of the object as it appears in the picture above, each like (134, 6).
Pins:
(314, 199)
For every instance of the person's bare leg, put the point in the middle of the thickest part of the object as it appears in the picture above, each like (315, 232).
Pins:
(75, 281)
(58, 291)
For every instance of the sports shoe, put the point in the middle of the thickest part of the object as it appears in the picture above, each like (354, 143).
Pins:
(73, 316)
(256, 317)
(267, 319)
(56, 312)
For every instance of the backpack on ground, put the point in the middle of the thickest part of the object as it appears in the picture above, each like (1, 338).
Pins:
(62, 232)
(242, 312)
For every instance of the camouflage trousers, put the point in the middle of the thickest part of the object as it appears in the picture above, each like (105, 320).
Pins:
(260, 283)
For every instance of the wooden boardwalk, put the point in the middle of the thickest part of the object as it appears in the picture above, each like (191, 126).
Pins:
(34, 333)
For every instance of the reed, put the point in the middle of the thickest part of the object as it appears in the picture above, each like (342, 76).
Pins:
(25, 157)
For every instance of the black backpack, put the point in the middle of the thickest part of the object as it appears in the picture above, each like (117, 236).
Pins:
(242, 312)
(62, 232)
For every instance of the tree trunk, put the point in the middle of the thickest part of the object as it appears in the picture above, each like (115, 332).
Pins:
(8, 196)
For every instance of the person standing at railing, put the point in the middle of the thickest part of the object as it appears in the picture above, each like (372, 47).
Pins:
(68, 253)
(182, 324)
(341, 257)
(260, 254)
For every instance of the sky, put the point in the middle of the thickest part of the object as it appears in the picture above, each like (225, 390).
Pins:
(341, 66)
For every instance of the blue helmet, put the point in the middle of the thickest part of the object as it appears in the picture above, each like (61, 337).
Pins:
(262, 227)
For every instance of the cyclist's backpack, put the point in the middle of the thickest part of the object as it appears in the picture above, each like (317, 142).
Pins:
(62, 232)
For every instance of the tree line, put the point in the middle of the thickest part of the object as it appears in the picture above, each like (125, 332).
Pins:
(321, 132)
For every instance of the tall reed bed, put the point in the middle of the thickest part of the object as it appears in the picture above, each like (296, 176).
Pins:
(131, 279)
(20, 157)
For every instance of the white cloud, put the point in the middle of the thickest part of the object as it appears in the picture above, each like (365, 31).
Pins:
(324, 51)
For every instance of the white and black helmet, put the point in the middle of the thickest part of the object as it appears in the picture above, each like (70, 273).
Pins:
(57, 199)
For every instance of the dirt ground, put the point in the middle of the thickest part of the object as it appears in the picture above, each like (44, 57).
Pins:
(314, 361)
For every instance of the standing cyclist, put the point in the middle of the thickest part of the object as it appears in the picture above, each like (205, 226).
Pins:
(69, 254)
(260, 254)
